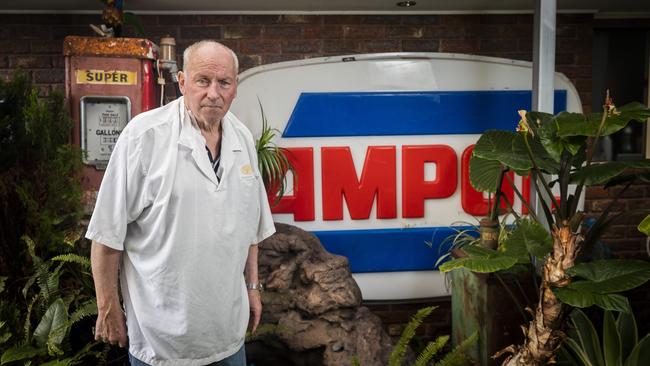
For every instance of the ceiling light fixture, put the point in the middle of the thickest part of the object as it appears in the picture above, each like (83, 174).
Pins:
(406, 4)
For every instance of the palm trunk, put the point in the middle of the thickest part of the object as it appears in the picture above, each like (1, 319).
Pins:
(545, 332)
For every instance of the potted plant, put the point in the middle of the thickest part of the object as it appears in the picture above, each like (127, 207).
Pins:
(556, 150)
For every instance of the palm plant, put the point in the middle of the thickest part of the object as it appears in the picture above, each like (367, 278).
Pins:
(561, 146)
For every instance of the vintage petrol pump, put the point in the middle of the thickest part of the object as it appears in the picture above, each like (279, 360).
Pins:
(109, 81)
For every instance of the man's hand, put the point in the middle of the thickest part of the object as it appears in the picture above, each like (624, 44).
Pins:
(111, 326)
(255, 301)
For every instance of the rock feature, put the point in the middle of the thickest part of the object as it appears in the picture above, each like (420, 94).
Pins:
(312, 297)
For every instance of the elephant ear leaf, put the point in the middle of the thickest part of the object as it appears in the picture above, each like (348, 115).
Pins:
(498, 145)
(484, 174)
(536, 240)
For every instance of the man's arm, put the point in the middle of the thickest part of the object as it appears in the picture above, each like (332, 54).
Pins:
(111, 323)
(254, 296)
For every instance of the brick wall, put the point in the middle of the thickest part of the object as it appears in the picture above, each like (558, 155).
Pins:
(33, 42)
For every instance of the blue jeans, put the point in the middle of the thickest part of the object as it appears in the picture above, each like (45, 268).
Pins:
(238, 359)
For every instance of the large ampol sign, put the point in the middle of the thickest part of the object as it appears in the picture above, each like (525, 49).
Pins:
(381, 146)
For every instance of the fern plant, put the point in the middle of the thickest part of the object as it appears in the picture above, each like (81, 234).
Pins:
(455, 357)
(272, 160)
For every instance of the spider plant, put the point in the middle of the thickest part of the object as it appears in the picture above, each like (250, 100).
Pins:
(272, 160)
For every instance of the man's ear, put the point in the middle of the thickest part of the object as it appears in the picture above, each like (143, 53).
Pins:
(181, 82)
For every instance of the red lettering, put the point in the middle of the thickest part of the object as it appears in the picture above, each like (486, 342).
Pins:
(339, 179)
(301, 203)
(415, 190)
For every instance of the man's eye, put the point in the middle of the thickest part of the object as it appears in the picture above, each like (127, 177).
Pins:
(202, 82)
(224, 83)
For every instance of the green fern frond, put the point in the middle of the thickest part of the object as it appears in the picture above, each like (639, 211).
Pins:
(73, 258)
(86, 309)
(430, 350)
(457, 357)
(355, 361)
(28, 320)
(397, 356)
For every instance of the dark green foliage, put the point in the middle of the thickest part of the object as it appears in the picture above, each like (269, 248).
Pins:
(47, 286)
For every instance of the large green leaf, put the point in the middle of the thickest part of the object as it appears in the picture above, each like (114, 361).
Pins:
(542, 158)
(497, 145)
(584, 299)
(626, 326)
(18, 353)
(55, 317)
(609, 276)
(482, 260)
(611, 341)
(644, 226)
(484, 174)
(586, 338)
(529, 237)
(640, 354)
(574, 124)
(597, 174)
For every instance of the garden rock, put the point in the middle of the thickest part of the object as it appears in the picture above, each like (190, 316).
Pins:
(316, 304)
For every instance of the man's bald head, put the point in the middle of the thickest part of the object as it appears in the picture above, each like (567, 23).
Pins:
(189, 52)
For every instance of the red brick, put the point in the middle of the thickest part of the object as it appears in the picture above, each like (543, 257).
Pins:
(52, 76)
(462, 19)
(42, 90)
(323, 31)
(413, 45)
(615, 232)
(459, 45)
(283, 31)
(565, 31)
(525, 19)
(30, 62)
(576, 72)
(4, 63)
(499, 19)
(181, 19)
(405, 32)
(379, 46)
(583, 59)
(381, 19)
(269, 59)
(633, 232)
(633, 191)
(242, 32)
(342, 19)
(6, 19)
(248, 61)
(25, 32)
(602, 204)
(14, 46)
(564, 59)
(260, 19)
(46, 46)
(58, 62)
(301, 46)
(155, 32)
(260, 47)
(59, 32)
(219, 19)
(302, 19)
(488, 31)
(444, 31)
(573, 45)
(574, 18)
(202, 32)
(420, 19)
(596, 191)
(490, 45)
(364, 31)
(525, 45)
(638, 204)
(147, 20)
(340, 46)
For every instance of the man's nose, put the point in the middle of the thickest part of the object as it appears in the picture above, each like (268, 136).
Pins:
(213, 91)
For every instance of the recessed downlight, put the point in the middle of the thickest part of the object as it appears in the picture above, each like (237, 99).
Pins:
(406, 4)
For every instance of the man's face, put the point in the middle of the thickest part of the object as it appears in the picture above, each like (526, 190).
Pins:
(210, 84)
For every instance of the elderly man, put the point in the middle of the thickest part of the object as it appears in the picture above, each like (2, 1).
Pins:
(179, 212)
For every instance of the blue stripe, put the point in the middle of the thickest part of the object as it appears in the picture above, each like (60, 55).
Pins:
(390, 250)
(409, 113)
